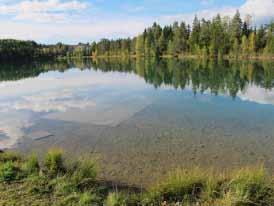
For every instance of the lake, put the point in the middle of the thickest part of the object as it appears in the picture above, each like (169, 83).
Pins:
(141, 117)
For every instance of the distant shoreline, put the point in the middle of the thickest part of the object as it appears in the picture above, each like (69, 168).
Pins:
(190, 56)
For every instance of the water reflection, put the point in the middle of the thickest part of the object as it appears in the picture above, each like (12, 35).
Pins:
(212, 76)
(110, 91)
(56, 90)
(144, 116)
(217, 77)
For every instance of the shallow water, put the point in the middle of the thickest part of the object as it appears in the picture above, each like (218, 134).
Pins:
(142, 117)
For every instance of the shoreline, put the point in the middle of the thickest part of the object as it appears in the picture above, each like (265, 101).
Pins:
(25, 180)
(257, 57)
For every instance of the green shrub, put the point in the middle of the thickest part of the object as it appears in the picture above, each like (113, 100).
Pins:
(8, 172)
(54, 162)
(31, 165)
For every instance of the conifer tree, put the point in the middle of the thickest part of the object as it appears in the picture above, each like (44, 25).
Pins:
(139, 49)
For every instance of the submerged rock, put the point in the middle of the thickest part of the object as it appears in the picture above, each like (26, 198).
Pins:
(39, 135)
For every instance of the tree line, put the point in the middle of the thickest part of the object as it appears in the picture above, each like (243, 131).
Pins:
(10, 49)
(219, 37)
(206, 38)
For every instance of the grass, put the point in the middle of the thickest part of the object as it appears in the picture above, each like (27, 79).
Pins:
(54, 163)
(251, 186)
(180, 185)
(116, 199)
(55, 181)
(31, 165)
(8, 171)
(244, 187)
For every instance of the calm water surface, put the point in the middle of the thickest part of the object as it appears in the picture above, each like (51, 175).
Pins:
(141, 117)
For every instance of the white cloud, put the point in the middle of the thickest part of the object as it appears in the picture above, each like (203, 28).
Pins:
(42, 11)
(60, 101)
(206, 13)
(258, 95)
(68, 25)
(73, 32)
(13, 129)
(207, 2)
(21, 100)
(41, 17)
(132, 9)
(71, 80)
(42, 6)
(260, 10)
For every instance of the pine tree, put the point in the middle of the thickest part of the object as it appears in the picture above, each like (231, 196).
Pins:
(269, 49)
(260, 39)
(171, 49)
(252, 43)
(236, 27)
(205, 34)
(205, 52)
(195, 34)
(235, 49)
(245, 46)
(212, 50)
(148, 45)
(217, 37)
(125, 47)
(180, 38)
(139, 49)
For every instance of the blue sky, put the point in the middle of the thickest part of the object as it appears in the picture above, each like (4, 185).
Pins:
(71, 21)
(162, 7)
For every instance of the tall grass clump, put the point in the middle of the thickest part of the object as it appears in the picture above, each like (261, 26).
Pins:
(31, 165)
(250, 186)
(80, 199)
(116, 199)
(88, 198)
(54, 162)
(85, 169)
(180, 186)
(10, 156)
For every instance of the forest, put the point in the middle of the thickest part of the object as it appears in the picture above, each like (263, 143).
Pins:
(205, 38)
(216, 38)
(10, 49)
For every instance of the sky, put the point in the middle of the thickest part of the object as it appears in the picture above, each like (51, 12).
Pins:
(73, 21)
